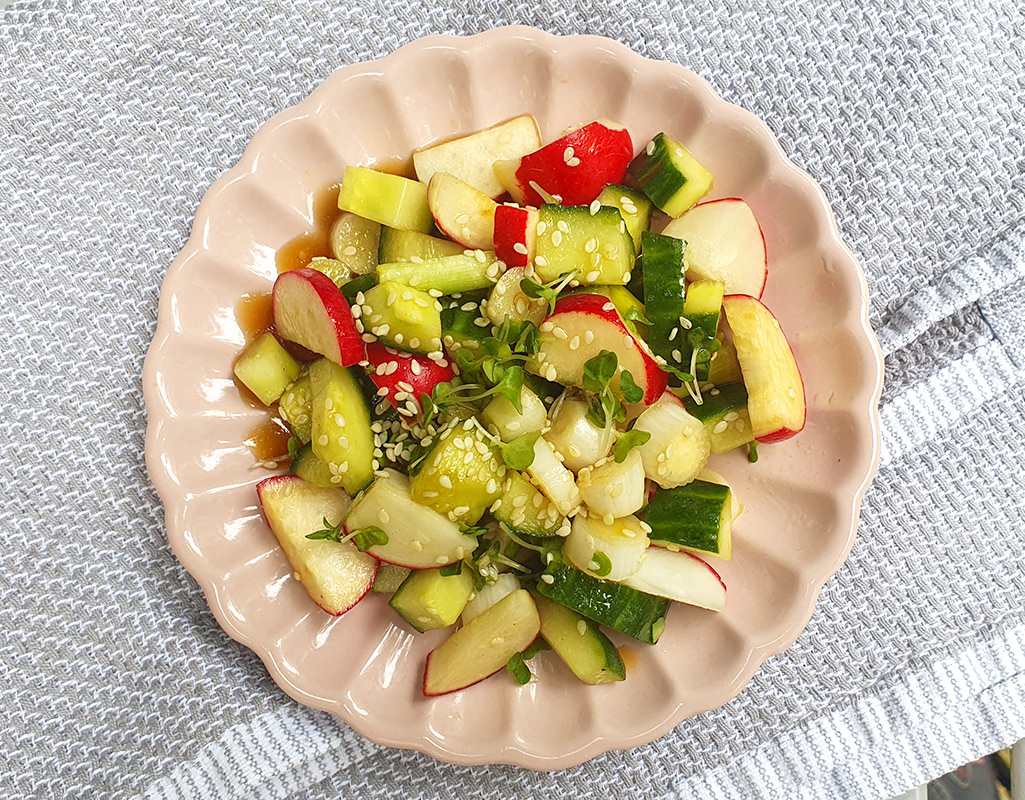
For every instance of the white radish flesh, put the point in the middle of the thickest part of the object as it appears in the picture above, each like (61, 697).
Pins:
(580, 441)
(679, 444)
(624, 543)
(614, 490)
(679, 576)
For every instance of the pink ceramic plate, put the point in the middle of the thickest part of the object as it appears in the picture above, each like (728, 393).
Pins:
(801, 500)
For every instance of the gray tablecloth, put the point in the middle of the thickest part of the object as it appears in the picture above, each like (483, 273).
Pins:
(114, 119)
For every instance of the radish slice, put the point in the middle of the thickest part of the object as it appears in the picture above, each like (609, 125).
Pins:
(461, 212)
(679, 576)
(310, 310)
(411, 376)
(611, 552)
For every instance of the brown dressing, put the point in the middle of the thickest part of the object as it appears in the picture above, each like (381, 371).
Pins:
(630, 658)
(254, 314)
(301, 250)
(268, 441)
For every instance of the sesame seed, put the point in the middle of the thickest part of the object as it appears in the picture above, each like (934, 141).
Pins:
(594, 207)
(322, 440)
(556, 238)
(560, 333)
(574, 343)
(677, 356)
(398, 337)
(720, 426)
(567, 154)
(541, 227)
(445, 481)
(731, 416)
(650, 148)
(520, 248)
(550, 578)
(460, 510)
(629, 342)
(479, 255)
(672, 333)
(573, 162)
(792, 393)
(591, 245)
(593, 276)
(685, 323)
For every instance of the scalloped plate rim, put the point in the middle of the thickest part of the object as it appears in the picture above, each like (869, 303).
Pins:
(865, 404)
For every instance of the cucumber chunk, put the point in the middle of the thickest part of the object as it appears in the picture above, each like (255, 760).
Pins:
(341, 435)
(389, 578)
(526, 511)
(461, 476)
(354, 243)
(403, 317)
(725, 366)
(723, 412)
(448, 275)
(670, 176)
(597, 246)
(311, 469)
(697, 517)
(335, 269)
(701, 308)
(588, 652)
(266, 368)
(483, 646)
(357, 286)
(664, 291)
(389, 199)
(295, 407)
(398, 245)
(634, 207)
(629, 611)
(428, 600)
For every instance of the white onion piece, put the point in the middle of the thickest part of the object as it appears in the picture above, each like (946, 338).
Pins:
(552, 478)
(624, 542)
(489, 594)
(580, 442)
(509, 422)
(614, 490)
(679, 444)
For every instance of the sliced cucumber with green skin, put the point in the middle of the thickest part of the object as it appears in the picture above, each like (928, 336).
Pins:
(697, 517)
(397, 245)
(701, 308)
(357, 286)
(341, 435)
(389, 578)
(403, 317)
(354, 243)
(634, 207)
(461, 476)
(389, 199)
(311, 469)
(664, 293)
(613, 605)
(725, 366)
(458, 328)
(429, 600)
(335, 269)
(670, 176)
(294, 405)
(448, 275)
(588, 652)
(526, 511)
(266, 368)
(723, 412)
(597, 246)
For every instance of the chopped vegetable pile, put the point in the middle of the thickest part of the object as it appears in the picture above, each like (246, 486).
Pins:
(511, 388)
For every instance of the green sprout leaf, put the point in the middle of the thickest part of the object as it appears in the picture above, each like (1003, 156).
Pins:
(627, 442)
(451, 569)
(631, 392)
(293, 446)
(333, 533)
(518, 669)
(519, 453)
(601, 564)
(599, 371)
(537, 646)
(363, 538)
(752, 452)
(511, 386)
(634, 314)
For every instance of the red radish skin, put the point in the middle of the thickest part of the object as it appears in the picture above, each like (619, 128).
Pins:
(464, 214)
(600, 315)
(420, 372)
(515, 226)
(311, 311)
(574, 168)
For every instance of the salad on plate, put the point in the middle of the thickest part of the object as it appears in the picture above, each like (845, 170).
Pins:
(502, 388)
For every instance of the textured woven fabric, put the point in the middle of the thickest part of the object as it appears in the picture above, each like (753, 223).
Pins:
(114, 119)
